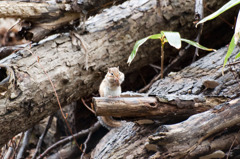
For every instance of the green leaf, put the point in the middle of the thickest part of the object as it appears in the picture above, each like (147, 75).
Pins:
(229, 52)
(237, 56)
(237, 29)
(173, 39)
(225, 7)
(193, 43)
(139, 43)
(135, 49)
(156, 36)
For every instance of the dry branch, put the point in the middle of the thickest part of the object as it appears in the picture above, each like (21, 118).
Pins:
(82, 133)
(149, 107)
(25, 143)
(128, 107)
(41, 138)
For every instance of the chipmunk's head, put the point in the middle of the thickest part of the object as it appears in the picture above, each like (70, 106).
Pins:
(113, 75)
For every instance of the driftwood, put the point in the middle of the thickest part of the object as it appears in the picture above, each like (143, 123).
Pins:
(201, 134)
(109, 39)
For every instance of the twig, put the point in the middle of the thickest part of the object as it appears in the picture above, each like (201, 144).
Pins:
(155, 67)
(235, 138)
(150, 83)
(20, 140)
(84, 46)
(85, 144)
(82, 133)
(37, 151)
(16, 150)
(234, 63)
(26, 138)
(87, 106)
(230, 64)
(8, 50)
(17, 22)
(13, 144)
(162, 59)
(2, 151)
(182, 53)
(198, 16)
(56, 95)
(9, 153)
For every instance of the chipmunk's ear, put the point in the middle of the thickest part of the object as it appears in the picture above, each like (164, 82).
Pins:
(117, 67)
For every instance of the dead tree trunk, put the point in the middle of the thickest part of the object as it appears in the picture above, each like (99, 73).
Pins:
(200, 134)
(76, 72)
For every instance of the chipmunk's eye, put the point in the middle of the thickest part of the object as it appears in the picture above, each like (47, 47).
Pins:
(112, 74)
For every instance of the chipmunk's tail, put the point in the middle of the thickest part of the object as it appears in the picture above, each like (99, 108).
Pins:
(108, 122)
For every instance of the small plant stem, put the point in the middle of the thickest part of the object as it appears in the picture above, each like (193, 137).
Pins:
(162, 57)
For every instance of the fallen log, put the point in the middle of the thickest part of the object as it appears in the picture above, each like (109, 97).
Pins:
(77, 72)
(201, 134)
(29, 10)
(42, 19)
(209, 126)
(50, 10)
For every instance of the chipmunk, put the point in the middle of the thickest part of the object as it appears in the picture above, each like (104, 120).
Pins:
(111, 87)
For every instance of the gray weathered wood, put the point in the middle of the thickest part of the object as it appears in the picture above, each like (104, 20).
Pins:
(193, 137)
(27, 10)
(128, 107)
(151, 108)
(50, 10)
(46, 18)
(109, 39)
(188, 136)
